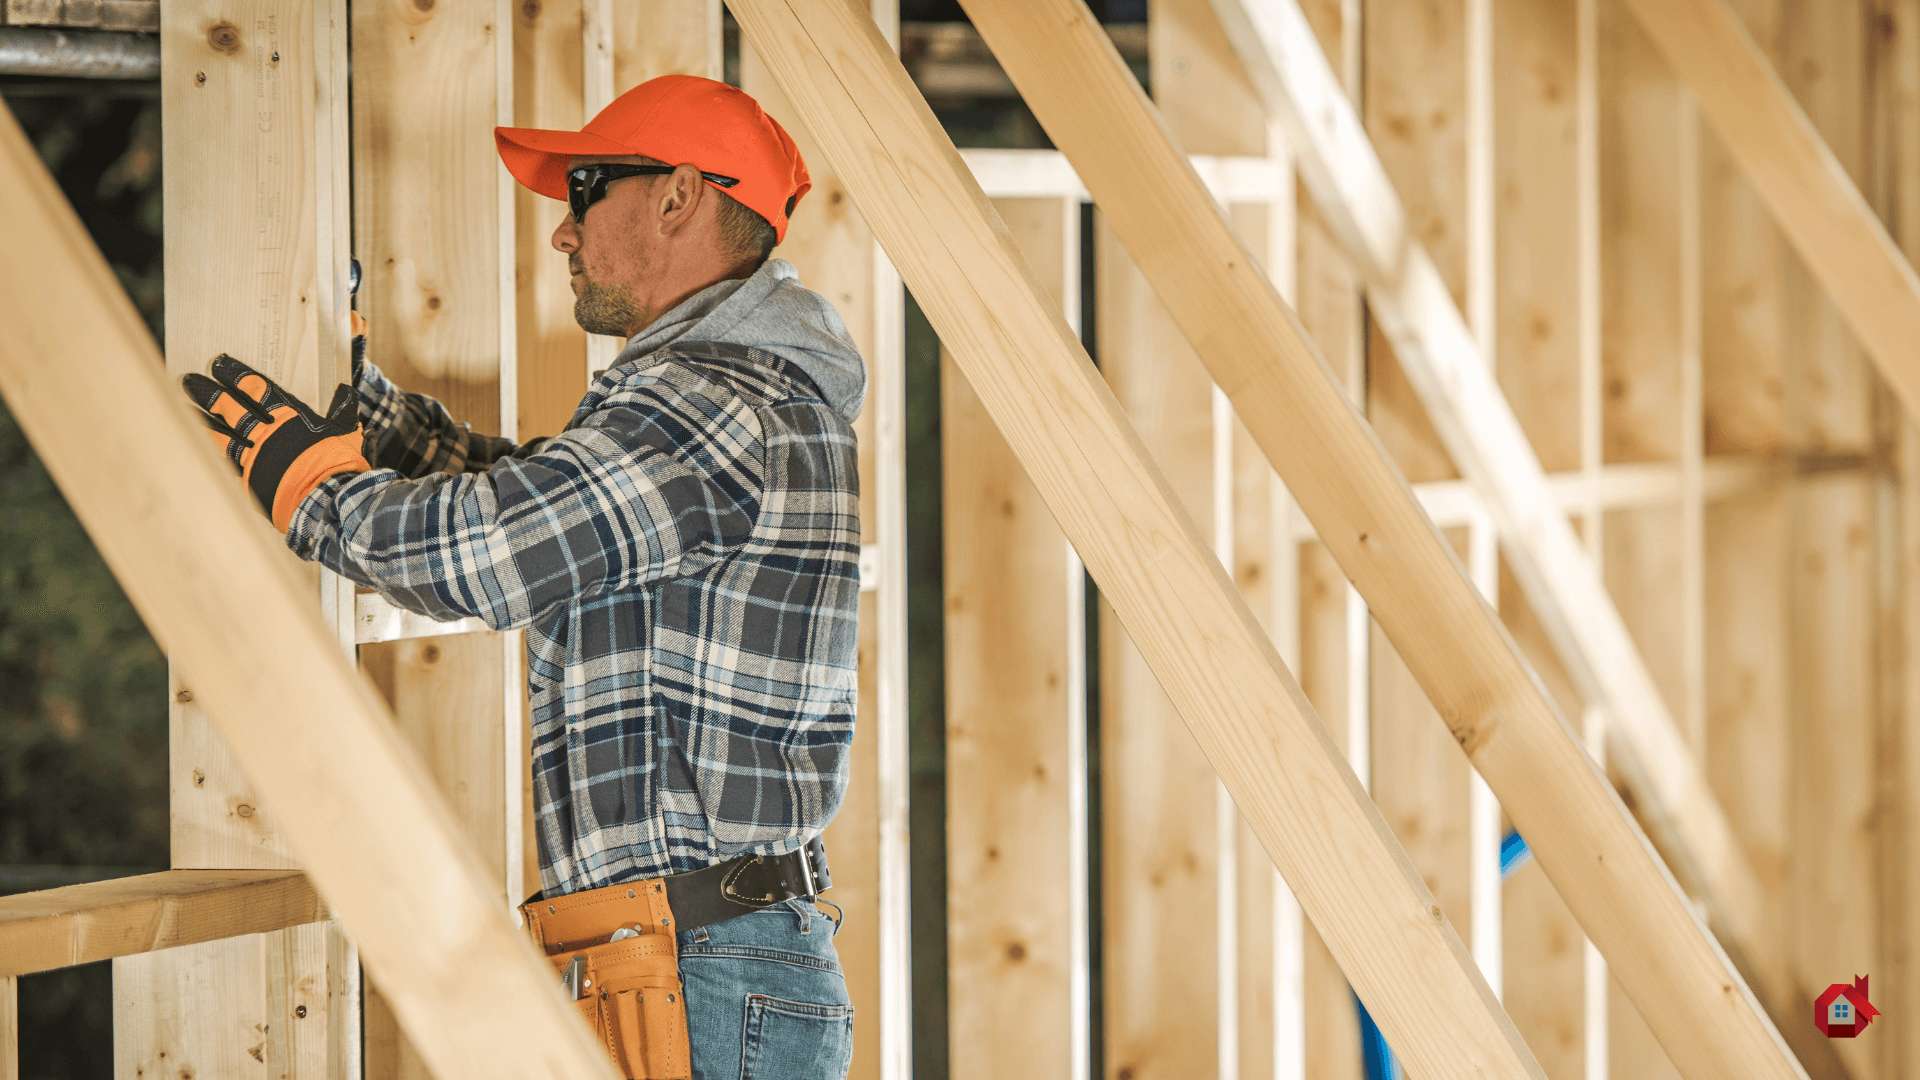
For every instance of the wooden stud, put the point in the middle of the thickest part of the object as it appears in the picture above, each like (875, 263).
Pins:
(439, 296)
(1638, 400)
(9, 1028)
(1417, 108)
(1895, 63)
(551, 348)
(836, 254)
(1482, 435)
(233, 612)
(1804, 180)
(1835, 920)
(1012, 611)
(100, 920)
(1331, 310)
(1124, 520)
(1162, 849)
(1283, 391)
(1537, 107)
(257, 268)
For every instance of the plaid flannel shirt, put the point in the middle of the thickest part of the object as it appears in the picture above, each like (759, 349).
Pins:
(685, 560)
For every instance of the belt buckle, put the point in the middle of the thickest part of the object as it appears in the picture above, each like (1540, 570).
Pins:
(812, 877)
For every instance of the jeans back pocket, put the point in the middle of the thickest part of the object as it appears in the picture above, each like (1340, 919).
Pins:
(796, 1040)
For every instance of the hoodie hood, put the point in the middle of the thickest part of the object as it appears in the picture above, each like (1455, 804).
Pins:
(771, 311)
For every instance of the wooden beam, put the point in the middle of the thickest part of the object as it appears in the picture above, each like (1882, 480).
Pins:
(435, 217)
(833, 248)
(1014, 635)
(257, 267)
(231, 609)
(1485, 439)
(9, 1028)
(1803, 182)
(79, 924)
(1080, 90)
(1175, 600)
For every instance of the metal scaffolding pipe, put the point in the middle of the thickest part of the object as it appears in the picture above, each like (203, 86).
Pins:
(83, 54)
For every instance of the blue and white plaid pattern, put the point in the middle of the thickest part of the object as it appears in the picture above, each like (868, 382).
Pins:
(685, 560)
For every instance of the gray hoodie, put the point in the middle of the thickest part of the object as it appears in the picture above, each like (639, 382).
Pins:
(772, 311)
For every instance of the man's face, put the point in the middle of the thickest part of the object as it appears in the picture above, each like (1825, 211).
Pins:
(609, 255)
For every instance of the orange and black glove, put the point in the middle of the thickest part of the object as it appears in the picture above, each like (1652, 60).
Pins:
(281, 448)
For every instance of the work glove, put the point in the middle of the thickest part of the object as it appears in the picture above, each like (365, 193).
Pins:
(281, 448)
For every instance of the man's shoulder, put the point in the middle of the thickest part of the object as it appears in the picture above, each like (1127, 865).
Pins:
(711, 373)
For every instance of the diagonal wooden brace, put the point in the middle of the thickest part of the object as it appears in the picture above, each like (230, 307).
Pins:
(180, 535)
(1176, 602)
(1811, 196)
(1597, 856)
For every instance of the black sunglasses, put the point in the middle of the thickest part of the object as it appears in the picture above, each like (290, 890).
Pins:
(587, 184)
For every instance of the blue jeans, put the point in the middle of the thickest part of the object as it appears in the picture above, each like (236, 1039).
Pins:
(765, 997)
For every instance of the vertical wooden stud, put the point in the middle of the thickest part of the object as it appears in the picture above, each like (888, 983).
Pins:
(437, 238)
(1537, 343)
(1836, 922)
(1011, 614)
(1418, 112)
(274, 293)
(9, 1028)
(1161, 855)
(1329, 304)
(1895, 64)
(835, 252)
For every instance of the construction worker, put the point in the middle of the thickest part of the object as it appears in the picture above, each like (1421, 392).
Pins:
(683, 558)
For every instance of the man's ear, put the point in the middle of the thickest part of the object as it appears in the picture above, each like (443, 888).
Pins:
(680, 198)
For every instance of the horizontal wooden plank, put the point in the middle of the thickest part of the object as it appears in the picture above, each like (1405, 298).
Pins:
(1042, 174)
(79, 924)
(377, 619)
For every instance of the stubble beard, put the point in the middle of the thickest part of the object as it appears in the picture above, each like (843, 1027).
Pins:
(605, 309)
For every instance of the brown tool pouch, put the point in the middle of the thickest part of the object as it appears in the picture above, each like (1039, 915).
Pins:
(628, 990)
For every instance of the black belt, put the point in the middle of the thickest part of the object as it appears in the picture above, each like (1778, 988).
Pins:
(741, 886)
(747, 884)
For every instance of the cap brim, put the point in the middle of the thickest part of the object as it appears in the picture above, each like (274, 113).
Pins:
(538, 158)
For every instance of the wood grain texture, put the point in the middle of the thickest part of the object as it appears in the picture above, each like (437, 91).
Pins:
(80, 924)
(257, 267)
(239, 621)
(288, 1005)
(1894, 58)
(652, 38)
(1171, 1000)
(1124, 520)
(1161, 841)
(833, 248)
(1536, 357)
(1804, 168)
(1252, 344)
(1332, 1035)
(1416, 112)
(552, 349)
(9, 1027)
(1010, 637)
(1481, 434)
(1328, 299)
(437, 242)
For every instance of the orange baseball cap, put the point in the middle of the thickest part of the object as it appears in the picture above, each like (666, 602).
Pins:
(681, 120)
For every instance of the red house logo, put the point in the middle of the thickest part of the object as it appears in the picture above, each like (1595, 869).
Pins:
(1844, 1011)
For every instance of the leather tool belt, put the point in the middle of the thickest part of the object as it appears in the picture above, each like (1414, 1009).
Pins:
(616, 954)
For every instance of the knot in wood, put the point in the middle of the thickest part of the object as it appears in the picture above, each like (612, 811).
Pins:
(224, 37)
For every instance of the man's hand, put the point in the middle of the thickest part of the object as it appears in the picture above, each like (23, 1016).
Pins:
(281, 448)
